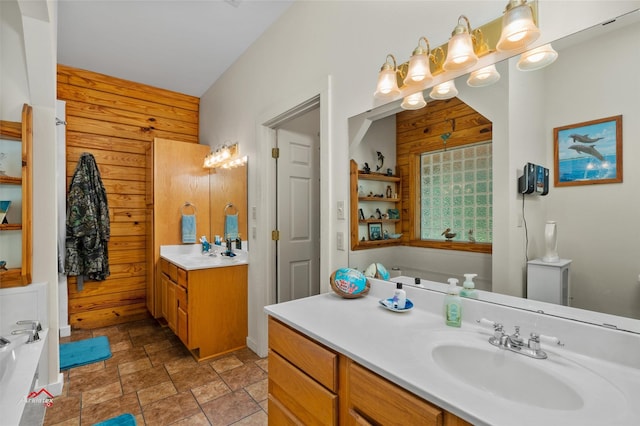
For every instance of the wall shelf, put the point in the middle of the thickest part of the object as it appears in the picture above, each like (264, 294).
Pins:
(380, 184)
(20, 132)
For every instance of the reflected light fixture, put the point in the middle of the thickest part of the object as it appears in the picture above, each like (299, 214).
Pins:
(537, 58)
(419, 70)
(518, 28)
(484, 76)
(460, 53)
(446, 90)
(387, 81)
(221, 156)
(414, 101)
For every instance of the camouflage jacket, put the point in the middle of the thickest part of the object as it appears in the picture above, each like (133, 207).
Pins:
(87, 223)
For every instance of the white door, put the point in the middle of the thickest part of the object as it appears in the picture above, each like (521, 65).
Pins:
(298, 207)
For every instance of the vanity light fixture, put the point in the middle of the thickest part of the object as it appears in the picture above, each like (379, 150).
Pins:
(446, 90)
(387, 79)
(414, 101)
(537, 58)
(518, 28)
(484, 76)
(419, 70)
(460, 53)
(220, 156)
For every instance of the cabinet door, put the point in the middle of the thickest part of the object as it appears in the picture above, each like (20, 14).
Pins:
(164, 287)
(182, 329)
(172, 306)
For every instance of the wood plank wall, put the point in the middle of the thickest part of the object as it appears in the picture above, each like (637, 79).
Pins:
(419, 131)
(116, 121)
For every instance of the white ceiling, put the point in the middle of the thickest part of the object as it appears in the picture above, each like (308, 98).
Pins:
(180, 45)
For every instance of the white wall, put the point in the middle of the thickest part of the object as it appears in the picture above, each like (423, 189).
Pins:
(28, 71)
(347, 41)
(598, 224)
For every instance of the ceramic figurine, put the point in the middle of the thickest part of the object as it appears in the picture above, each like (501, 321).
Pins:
(472, 239)
(366, 168)
(380, 161)
(448, 234)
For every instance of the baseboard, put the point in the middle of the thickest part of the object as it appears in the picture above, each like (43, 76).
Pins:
(65, 331)
(253, 345)
(55, 388)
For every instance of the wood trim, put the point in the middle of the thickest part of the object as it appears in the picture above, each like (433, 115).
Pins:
(11, 130)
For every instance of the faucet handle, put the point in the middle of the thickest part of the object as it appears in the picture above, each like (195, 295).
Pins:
(550, 340)
(35, 324)
(488, 323)
(33, 334)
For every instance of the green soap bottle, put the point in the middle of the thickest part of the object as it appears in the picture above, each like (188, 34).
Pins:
(468, 287)
(453, 305)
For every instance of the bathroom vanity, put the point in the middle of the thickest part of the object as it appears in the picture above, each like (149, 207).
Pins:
(351, 361)
(204, 299)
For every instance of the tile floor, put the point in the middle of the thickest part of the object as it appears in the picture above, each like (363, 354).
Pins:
(154, 377)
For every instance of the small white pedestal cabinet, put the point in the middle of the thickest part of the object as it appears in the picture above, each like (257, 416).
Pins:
(548, 281)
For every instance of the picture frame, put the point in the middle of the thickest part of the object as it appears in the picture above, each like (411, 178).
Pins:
(393, 213)
(375, 231)
(588, 153)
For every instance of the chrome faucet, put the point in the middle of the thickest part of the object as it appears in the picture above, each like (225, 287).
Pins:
(4, 342)
(33, 334)
(35, 324)
(515, 343)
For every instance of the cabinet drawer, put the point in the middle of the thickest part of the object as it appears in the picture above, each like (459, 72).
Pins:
(181, 295)
(164, 266)
(307, 400)
(182, 277)
(381, 402)
(173, 272)
(309, 356)
(280, 416)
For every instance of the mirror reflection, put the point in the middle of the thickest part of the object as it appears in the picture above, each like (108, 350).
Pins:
(594, 77)
(228, 186)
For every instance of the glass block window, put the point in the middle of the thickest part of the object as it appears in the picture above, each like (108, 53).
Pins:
(456, 192)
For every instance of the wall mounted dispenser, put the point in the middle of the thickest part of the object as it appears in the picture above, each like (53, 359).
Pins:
(534, 179)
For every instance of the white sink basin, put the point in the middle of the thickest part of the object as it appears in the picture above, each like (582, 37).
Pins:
(199, 261)
(507, 375)
(559, 384)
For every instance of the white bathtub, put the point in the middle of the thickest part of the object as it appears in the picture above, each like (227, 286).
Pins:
(18, 366)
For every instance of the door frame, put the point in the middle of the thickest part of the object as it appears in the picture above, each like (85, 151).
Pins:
(265, 220)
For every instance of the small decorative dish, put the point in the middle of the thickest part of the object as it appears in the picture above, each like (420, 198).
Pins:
(388, 304)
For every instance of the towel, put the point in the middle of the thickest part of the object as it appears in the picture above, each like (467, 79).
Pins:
(188, 228)
(231, 226)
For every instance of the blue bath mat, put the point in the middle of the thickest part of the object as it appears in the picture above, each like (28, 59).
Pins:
(122, 420)
(84, 352)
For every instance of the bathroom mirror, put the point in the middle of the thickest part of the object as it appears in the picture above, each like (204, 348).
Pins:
(228, 186)
(595, 76)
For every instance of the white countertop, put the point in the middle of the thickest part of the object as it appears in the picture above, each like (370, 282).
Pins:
(190, 257)
(398, 347)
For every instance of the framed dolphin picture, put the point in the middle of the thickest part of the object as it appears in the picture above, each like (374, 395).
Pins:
(588, 153)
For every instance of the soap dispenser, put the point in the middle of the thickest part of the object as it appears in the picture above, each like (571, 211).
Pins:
(399, 300)
(469, 287)
(453, 305)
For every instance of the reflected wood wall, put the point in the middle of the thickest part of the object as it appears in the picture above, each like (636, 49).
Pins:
(421, 130)
(116, 121)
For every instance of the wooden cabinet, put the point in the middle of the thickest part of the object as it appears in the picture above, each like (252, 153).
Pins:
(206, 308)
(20, 134)
(377, 195)
(310, 384)
(175, 175)
(303, 379)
